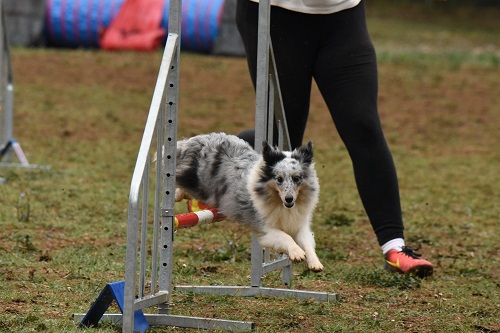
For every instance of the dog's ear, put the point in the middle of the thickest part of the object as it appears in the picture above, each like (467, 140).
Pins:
(271, 156)
(304, 153)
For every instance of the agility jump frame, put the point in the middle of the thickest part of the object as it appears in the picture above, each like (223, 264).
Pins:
(7, 142)
(8, 145)
(146, 287)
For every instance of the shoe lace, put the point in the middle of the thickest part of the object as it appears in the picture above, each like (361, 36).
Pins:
(410, 252)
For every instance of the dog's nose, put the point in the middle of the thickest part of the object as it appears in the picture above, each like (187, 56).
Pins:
(289, 199)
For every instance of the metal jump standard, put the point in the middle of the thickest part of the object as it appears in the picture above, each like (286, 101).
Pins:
(148, 279)
(9, 147)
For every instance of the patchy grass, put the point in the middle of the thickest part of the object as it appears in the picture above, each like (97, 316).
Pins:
(83, 112)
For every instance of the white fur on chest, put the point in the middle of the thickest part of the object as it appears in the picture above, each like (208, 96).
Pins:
(288, 220)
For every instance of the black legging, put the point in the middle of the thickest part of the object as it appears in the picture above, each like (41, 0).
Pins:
(336, 50)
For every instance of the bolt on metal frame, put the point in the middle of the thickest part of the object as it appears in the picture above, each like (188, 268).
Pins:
(146, 287)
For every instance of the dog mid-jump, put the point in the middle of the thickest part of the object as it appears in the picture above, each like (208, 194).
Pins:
(274, 193)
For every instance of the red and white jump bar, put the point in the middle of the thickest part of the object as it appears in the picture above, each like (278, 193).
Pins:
(199, 213)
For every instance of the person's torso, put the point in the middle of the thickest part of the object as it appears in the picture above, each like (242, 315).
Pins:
(314, 6)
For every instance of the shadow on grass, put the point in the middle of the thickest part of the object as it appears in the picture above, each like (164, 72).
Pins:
(338, 220)
(381, 278)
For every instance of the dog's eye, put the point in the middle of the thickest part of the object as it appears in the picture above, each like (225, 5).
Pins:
(296, 179)
(279, 180)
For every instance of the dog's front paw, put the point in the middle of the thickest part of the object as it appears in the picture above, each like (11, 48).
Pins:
(295, 253)
(315, 266)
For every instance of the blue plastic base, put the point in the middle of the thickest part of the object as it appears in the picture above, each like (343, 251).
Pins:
(113, 291)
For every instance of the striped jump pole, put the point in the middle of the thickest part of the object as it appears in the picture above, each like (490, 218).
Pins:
(199, 213)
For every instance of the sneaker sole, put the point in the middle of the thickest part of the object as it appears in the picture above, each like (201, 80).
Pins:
(420, 271)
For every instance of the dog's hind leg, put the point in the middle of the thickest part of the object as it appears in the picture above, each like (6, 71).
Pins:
(305, 239)
(180, 194)
(282, 242)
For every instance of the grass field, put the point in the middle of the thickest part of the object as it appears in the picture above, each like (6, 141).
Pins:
(83, 113)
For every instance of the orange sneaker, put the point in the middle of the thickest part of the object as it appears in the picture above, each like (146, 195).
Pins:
(407, 261)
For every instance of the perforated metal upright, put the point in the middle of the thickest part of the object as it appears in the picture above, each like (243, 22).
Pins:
(269, 111)
(148, 278)
(163, 117)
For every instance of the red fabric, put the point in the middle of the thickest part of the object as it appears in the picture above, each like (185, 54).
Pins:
(136, 27)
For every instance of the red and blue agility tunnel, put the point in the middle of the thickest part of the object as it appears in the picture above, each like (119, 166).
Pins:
(80, 23)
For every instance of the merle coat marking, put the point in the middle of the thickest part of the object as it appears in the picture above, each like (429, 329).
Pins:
(274, 193)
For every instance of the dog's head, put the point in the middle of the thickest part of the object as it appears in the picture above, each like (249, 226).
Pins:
(287, 172)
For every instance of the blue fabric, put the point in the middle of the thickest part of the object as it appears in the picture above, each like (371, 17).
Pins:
(68, 19)
(52, 28)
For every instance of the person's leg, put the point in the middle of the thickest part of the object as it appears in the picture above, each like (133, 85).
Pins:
(346, 74)
(294, 51)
